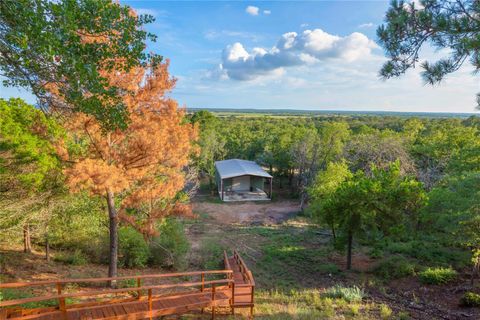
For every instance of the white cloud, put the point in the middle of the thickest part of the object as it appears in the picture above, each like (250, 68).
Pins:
(304, 25)
(252, 10)
(153, 12)
(214, 34)
(292, 49)
(367, 25)
(267, 12)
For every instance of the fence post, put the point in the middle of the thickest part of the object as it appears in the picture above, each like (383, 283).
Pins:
(139, 285)
(150, 303)
(202, 288)
(213, 301)
(61, 301)
(233, 298)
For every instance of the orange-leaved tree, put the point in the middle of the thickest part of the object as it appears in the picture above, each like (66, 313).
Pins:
(139, 170)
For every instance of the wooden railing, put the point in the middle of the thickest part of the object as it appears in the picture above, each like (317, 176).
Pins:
(248, 278)
(62, 298)
(209, 288)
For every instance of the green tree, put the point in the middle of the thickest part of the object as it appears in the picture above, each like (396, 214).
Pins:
(470, 231)
(64, 45)
(384, 201)
(211, 143)
(444, 24)
(326, 183)
(30, 171)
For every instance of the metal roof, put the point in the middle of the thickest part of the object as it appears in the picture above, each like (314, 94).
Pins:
(236, 167)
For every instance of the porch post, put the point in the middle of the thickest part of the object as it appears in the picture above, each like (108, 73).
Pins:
(221, 184)
(271, 188)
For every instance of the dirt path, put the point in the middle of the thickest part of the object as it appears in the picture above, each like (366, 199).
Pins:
(266, 213)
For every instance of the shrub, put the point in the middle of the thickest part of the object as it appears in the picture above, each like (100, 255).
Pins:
(133, 249)
(353, 294)
(437, 275)
(385, 311)
(394, 268)
(470, 299)
(170, 248)
(76, 258)
(211, 254)
(328, 268)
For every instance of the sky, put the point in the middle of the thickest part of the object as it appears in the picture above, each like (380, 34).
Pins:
(314, 55)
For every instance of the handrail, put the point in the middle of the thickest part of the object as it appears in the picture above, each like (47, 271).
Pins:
(245, 268)
(225, 260)
(62, 281)
(92, 293)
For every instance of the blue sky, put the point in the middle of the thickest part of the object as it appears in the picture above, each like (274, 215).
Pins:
(315, 55)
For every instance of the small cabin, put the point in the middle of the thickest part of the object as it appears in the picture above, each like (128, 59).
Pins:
(242, 180)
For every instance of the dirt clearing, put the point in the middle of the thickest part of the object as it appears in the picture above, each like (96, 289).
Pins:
(265, 213)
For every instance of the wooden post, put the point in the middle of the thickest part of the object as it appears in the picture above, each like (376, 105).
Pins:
(271, 188)
(252, 301)
(150, 303)
(202, 288)
(139, 284)
(61, 301)
(213, 301)
(233, 298)
(221, 186)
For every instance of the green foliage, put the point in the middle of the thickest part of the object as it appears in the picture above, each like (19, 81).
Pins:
(385, 311)
(170, 248)
(384, 202)
(75, 258)
(470, 299)
(349, 294)
(437, 275)
(42, 43)
(78, 222)
(395, 267)
(211, 255)
(13, 294)
(328, 268)
(133, 249)
(430, 251)
(440, 23)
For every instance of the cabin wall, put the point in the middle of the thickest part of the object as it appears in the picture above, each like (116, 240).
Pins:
(257, 182)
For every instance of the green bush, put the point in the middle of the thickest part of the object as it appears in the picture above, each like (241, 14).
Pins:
(470, 299)
(76, 258)
(170, 248)
(437, 275)
(133, 249)
(430, 251)
(328, 268)
(211, 255)
(385, 311)
(395, 267)
(349, 294)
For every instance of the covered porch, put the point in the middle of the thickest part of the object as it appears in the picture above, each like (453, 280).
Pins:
(242, 180)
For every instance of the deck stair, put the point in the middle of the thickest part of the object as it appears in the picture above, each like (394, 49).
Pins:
(232, 288)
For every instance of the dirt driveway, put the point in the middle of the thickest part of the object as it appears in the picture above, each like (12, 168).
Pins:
(262, 213)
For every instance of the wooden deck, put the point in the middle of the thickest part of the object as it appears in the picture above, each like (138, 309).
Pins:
(231, 288)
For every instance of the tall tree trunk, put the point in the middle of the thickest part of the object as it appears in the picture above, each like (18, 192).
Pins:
(27, 242)
(47, 248)
(113, 219)
(349, 251)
